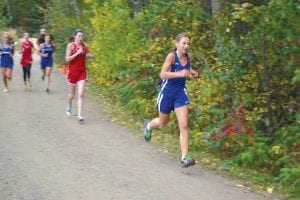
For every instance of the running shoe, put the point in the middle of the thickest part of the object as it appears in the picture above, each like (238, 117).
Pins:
(80, 119)
(147, 132)
(187, 161)
(29, 85)
(69, 110)
(25, 87)
(5, 90)
(47, 90)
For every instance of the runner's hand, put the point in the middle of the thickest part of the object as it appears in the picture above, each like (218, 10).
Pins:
(194, 74)
(89, 55)
(184, 73)
(79, 51)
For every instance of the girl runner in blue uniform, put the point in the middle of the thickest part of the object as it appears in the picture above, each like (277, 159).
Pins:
(173, 95)
(7, 53)
(46, 52)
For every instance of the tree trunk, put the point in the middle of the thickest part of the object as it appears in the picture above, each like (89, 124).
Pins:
(8, 11)
(215, 7)
(76, 8)
(137, 6)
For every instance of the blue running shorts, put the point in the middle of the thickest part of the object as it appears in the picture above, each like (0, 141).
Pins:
(166, 103)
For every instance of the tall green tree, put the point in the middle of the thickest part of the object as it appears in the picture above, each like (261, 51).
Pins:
(25, 14)
(3, 20)
(62, 18)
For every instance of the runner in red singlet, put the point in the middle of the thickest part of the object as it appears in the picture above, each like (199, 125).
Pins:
(76, 54)
(26, 60)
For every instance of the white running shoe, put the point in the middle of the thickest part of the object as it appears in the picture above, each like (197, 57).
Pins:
(69, 110)
(80, 119)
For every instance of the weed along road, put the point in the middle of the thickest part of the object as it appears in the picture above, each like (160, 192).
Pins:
(45, 155)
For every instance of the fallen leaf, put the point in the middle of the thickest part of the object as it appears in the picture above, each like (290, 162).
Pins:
(239, 185)
(270, 190)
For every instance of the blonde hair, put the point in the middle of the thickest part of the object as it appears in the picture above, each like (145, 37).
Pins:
(181, 35)
(42, 31)
(7, 34)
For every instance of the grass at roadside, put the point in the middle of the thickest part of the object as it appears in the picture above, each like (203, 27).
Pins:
(245, 178)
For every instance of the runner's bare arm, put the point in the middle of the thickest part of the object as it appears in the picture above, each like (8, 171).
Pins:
(12, 50)
(22, 49)
(88, 54)
(70, 57)
(39, 51)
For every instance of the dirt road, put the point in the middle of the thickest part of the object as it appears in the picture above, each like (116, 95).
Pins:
(44, 155)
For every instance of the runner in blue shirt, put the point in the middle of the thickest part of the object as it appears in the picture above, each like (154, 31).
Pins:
(6, 56)
(173, 95)
(46, 52)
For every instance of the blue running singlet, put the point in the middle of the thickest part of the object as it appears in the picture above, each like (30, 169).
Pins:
(6, 59)
(172, 86)
(47, 61)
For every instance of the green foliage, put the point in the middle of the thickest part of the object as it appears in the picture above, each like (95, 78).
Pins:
(124, 64)
(62, 19)
(291, 177)
(3, 20)
(24, 15)
(116, 39)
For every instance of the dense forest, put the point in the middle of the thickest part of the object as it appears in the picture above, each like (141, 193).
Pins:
(245, 104)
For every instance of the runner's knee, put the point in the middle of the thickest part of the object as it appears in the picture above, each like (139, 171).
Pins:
(81, 95)
(163, 123)
(71, 96)
(183, 126)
